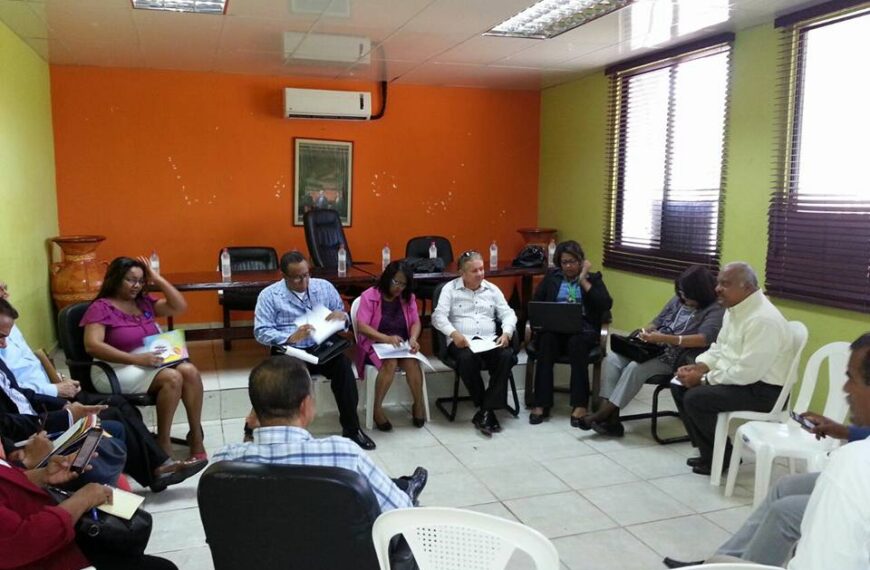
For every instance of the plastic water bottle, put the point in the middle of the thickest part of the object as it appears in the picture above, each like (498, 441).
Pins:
(551, 253)
(433, 250)
(342, 261)
(226, 267)
(493, 256)
(155, 262)
(385, 256)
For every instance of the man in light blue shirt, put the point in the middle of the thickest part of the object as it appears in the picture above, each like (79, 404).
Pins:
(281, 394)
(280, 304)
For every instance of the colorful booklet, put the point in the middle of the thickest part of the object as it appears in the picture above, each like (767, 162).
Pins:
(168, 345)
(73, 438)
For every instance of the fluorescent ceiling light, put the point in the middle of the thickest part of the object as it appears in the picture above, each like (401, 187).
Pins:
(197, 6)
(549, 18)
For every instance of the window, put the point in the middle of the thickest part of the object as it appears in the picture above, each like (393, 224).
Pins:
(668, 116)
(819, 243)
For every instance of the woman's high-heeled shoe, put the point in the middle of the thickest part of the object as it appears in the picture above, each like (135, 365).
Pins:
(418, 422)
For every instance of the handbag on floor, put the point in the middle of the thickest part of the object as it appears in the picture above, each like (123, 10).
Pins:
(633, 348)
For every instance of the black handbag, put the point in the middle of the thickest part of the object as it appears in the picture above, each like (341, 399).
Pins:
(530, 256)
(424, 264)
(99, 531)
(633, 348)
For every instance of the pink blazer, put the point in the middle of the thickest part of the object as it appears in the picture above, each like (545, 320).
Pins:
(369, 312)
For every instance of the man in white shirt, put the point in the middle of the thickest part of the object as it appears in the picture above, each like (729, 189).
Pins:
(744, 369)
(471, 307)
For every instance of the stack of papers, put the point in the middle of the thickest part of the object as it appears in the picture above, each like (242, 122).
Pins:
(385, 350)
(323, 329)
(478, 344)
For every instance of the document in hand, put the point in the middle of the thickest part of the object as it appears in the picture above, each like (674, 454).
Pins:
(676, 381)
(302, 355)
(73, 437)
(385, 350)
(170, 346)
(478, 344)
(123, 505)
(323, 329)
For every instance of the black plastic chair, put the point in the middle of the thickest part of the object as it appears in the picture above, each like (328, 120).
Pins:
(244, 259)
(596, 358)
(439, 347)
(661, 382)
(323, 235)
(418, 248)
(289, 516)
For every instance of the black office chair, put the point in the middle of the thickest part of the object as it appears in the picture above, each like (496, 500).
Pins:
(418, 248)
(324, 234)
(439, 347)
(244, 259)
(596, 358)
(289, 516)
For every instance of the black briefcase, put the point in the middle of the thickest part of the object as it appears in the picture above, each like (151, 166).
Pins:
(633, 348)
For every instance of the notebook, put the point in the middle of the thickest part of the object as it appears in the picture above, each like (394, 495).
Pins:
(170, 346)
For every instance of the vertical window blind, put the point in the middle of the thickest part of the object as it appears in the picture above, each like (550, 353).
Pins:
(819, 231)
(668, 115)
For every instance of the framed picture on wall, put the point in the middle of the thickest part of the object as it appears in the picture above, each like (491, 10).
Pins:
(323, 177)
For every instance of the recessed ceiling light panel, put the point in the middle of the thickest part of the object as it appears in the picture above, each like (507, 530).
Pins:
(549, 18)
(195, 6)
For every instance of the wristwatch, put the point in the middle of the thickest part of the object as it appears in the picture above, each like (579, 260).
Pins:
(704, 380)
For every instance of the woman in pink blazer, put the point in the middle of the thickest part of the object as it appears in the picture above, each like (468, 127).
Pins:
(388, 314)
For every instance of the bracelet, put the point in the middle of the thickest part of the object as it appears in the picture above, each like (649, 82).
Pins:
(680, 341)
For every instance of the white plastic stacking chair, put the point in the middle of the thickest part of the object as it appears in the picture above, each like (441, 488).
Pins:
(732, 566)
(786, 438)
(799, 336)
(371, 374)
(455, 539)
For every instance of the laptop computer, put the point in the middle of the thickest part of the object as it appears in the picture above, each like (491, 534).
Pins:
(556, 317)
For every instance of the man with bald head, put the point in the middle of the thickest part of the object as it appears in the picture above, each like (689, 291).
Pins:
(745, 369)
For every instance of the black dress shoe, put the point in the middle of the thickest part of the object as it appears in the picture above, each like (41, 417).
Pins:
(582, 423)
(671, 563)
(386, 426)
(692, 461)
(176, 472)
(480, 422)
(492, 421)
(360, 438)
(416, 483)
(536, 419)
(702, 469)
(604, 428)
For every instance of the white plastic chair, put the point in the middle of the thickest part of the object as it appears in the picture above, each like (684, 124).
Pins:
(799, 336)
(371, 374)
(732, 566)
(455, 539)
(786, 438)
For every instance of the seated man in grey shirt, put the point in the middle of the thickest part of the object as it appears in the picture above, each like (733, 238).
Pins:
(470, 307)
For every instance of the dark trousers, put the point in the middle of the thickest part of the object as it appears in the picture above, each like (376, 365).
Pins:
(551, 346)
(343, 383)
(498, 361)
(143, 453)
(103, 560)
(700, 406)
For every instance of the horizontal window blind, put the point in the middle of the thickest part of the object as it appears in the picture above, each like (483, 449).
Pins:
(668, 120)
(819, 231)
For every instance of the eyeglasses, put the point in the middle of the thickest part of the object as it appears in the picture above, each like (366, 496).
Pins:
(466, 255)
(569, 261)
(134, 281)
(399, 284)
(297, 278)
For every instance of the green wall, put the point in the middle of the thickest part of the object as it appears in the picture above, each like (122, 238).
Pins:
(573, 184)
(27, 188)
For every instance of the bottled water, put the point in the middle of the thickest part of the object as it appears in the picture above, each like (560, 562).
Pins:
(493, 256)
(551, 253)
(433, 250)
(155, 262)
(226, 267)
(385, 256)
(342, 261)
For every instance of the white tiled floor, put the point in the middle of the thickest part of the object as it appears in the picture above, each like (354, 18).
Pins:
(607, 504)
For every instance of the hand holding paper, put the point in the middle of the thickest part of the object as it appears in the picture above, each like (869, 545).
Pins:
(323, 323)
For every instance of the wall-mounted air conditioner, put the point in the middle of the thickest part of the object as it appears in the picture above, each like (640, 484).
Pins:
(324, 104)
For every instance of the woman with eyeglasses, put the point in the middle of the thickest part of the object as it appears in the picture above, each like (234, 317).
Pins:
(388, 314)
(570, 282)
(117, 322)
(688, 323)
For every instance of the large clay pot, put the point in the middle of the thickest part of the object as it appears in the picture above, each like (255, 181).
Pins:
(79, 275)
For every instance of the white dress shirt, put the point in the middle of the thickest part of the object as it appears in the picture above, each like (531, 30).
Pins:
(472, 313)
(28, 370)
(835, 532)
(754, 344)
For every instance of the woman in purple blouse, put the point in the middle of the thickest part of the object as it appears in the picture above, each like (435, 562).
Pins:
(116, 323)
(388, 313)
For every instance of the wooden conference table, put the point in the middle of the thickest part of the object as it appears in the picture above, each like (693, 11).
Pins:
(356, 276)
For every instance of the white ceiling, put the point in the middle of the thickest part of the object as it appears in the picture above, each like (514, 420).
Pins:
(430, 42)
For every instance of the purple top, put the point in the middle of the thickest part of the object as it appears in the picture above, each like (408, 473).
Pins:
(123, 331)
(393, 319)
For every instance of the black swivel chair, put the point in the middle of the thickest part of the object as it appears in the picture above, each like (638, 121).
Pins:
(323, 235)
(244, 259)
(289, 516)
(439, 347)
(418, 248)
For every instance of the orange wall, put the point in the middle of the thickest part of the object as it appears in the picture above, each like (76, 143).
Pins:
(186, 163)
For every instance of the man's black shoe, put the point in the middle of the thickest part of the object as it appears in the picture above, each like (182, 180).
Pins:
(416, 484)
(491, 421)
(671, 563)
(693, 461)
(360, 438)
(479, 421)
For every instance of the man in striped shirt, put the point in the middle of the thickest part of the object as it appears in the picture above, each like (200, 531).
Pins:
(280, 389)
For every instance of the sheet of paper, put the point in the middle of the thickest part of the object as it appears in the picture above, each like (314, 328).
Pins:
(477, 344)
(300, 354)
(385, 350)
(676, 381)
(123, 505)
(323, 329)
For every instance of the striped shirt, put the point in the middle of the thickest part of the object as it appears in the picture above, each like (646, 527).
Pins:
(288, 445)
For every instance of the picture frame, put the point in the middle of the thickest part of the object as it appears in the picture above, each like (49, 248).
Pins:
(323, 177)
